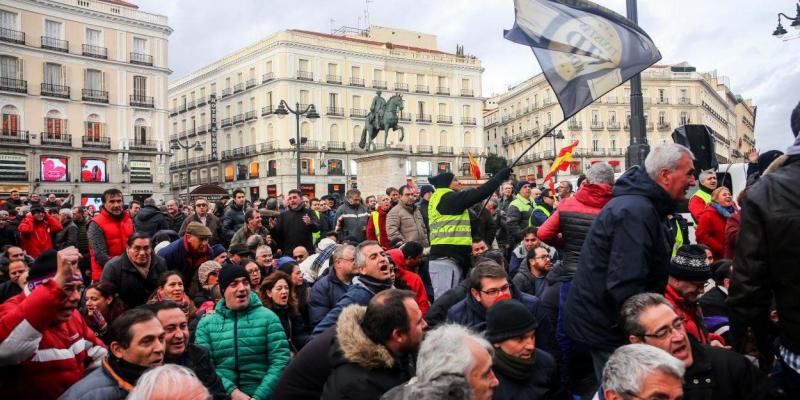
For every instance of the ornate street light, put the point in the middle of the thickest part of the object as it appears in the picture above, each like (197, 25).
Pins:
(780, 31)
(176, 145)
(311, 113)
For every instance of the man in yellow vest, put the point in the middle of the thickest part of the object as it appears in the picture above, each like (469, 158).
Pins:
(707, 183)
(543, 209)
(518, 214)
(448, 216)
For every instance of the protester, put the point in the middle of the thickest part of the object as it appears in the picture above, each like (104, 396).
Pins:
(101, 309)
(36, 231)
(68, 236)
(641, 372)
(9, 235)
(45, 319)
(276, 293)
(504, 199)
(234, 217)
(171, 287)
(150, 219)
(178, 350)
(186, 254)
(545, 205)
(202, 215)
(627, 250)
(252, 226)
(518, 212)
(532, 277)
(137, 345)
(207, 277)
(374, 346)
(732, 226)
(17, 280)
(245, 340)
(253, 272)
(529, 242)
(407, 260)
(169, 382)
(707, 183)
(135, 273)
(376, 228)
(300, 254)
(108, 232)
(564, 190)
(405, 222)
(295, 225)
(316, 264)
(425, 192)
(479, 248)
(352, 217)
(371, 203)
(175, 216)
(711, 222)
(328, 289)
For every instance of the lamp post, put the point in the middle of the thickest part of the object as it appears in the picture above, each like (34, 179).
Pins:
(311, 113)
(555, 135)
(177, 145)
(638, 147)
(780, 31)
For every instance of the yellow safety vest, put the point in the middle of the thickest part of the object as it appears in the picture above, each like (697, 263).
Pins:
(376, 223)
(678, 239)
(315, 235)
(703, 195)
(541, 208)
(447, 229)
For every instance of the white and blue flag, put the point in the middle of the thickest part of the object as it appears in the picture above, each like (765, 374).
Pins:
(584, 49)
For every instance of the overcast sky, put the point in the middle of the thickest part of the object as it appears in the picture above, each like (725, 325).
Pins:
(730, 36)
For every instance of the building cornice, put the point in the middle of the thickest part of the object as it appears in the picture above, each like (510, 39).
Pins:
(96, 14)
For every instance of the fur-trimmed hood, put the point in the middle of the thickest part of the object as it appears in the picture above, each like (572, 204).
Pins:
(355, 346)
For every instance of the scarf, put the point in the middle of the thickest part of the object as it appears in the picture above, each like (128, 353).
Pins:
(371, 284)
(725, 212)
(323, 256)
(183, 303)
(514, 367)
(125, 373)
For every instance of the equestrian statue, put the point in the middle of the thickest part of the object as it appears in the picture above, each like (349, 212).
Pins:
(383, 115)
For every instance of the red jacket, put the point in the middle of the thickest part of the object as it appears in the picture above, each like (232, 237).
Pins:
(711, 231)
(41, 358)
(696, 207)
(384, 239)
(35, 236)
(413, 280)
(692, 316)
(116, 232)
(732, 234)
(588, 200)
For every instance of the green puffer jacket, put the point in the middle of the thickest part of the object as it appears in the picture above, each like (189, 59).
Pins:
(248, 347)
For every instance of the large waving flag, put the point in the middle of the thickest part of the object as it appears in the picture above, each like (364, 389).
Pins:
(584, 49)
(562, 161)
(474, 168)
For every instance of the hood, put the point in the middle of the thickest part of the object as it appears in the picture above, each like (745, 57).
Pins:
(636, 182)
(397, 257)
(147, 213)
(221, 309)
(355, 346)
(594, 195)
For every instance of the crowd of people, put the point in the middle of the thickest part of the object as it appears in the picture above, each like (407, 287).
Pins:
(509, 290)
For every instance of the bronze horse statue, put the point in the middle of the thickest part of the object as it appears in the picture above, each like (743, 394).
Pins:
(374, 124)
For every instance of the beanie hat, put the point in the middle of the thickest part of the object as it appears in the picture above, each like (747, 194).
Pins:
(284, 260)
(765, 159)
(425, 189)
(206, 269)
(689, 264)
(518, 186)
(239, 249)
(442, 180)
(229, 273)
(508, 319)
(217, 249)
(198, 229)
(36, 207)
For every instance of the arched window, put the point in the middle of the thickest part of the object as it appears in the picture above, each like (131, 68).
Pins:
(422, 137)
(305, 130)
(94, 128)
(230, 173)
(334, 133)
(467, 139)
(356, 133)
(254, 170)
(54, 124)
(270, 132)
(443, 138)
(140, 131)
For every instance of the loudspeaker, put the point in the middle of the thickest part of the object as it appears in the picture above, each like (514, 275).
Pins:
(699, 139)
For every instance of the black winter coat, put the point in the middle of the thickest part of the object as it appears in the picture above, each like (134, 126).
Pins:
(9, 236)
(437, 314)
(175, 222)
(290, 230)
(765, 266)
(233, 220)
(541, 385)
(151, 220)
(721, 374)
(626, 252)
(197, 359)
(304, 377)
(132, 288)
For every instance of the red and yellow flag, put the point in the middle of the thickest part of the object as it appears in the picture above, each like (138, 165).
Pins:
(474, 168)
(562, 161)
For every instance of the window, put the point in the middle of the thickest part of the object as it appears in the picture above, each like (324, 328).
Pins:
(467, 139)
(335, 167)
(254, 170)
(229, 173)
(443, 138)
(595, 117)
(10, 67)
(662, 96)
(442, 109)
(140, 129)
(399, 77)
(421, 108)
(442, 81)
(685, 118)
(140, 46)
(442, 166)
(268, 67)
(8, 20)
(304, 96)
(595, 144)
(334, 133)
(54, 125)
(355, 72)
(93, 37)
(377, 75)
(10, 121)
(332, 100)
(93, 80)
(54, 74)
(333, 69)
(52, 29)
(612, 117)
(272, 168)
(423, 168)
(613, 142)
(269, 99)
(465, 84)
(357, 102)
(303, 65)
(139, 86)
(94, 128)
(662, 118)
(306, 166)
(684, 95)
(466, 111)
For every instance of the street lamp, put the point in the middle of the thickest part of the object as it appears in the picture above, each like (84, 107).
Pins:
(311, 113)
(780, 31)
(555, 135)
(177, 145)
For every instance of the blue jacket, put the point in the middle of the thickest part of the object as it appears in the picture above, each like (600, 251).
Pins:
(626, 251)
(537, 216)
(97, 385)
(470, 313)
(175, 256)
(325, 293)
(356, 294)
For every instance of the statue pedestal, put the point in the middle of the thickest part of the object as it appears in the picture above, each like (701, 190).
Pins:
(379, 170)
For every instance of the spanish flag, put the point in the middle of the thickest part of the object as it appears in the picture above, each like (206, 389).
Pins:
(474, 168)
(562, 161)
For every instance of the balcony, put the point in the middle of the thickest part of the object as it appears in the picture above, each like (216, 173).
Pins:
(613, 126)
(250, 115)
(250, 83)
(444, 119)
(376, 84)
(267, 77)
(265, 111)
(56, 139)
(612, 100)
(202, 128)
(12, 36)
(94, 51)
(357, 82)
(684, 101)
(191, 132)
(144, 145)
(424, 149)
(305, 76)
(238, 119)
(470, 150)
(268, 146)
(335, 111)
(354, 147)
(596, 125)
(50, 43)
(191, 105)
(467, 93)
(226, 92)
(401, 87)
(202, 101)
(334, 79)
(332, 145)
(649, 126)
(225, 122)
(51, 90)
(141, 101)
(13, 136)
(310, 145)
(445, 91)
(96, 142)
(445, 149)
(239, 87)
(426, 118)
(96, 96)
(575, 125)
(358, 113)
(14, 85)
(662, 100)
(470, 121)
(141, 59)
(182, 108)
(404, 116)
(421, 89)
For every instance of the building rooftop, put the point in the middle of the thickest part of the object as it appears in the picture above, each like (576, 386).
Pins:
(121, 3)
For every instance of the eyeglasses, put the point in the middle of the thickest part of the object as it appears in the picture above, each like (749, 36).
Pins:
(666, 331)
(495, 291)
(201, 205)
(544, 257)
(253, 272)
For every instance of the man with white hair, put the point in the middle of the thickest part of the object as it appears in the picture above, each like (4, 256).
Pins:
(702, 197)
(69, 235)
(452, 358)
(168, 382)
(627, 249)
(638, 371)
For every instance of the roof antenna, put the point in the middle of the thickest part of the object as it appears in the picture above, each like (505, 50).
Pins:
(366, 12)
(333, 24)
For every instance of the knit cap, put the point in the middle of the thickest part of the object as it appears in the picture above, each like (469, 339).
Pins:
(229, 273)
(508, 319)
(689, 264)
(442, 180)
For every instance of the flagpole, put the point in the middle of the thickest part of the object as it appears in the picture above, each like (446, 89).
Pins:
(535, 142)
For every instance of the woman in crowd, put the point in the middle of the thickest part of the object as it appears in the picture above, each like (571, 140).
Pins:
(170, 287)
(276, 292)
(101, 308)
(299, 287)
(711, 226)
(205, 280)
(254, 272)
